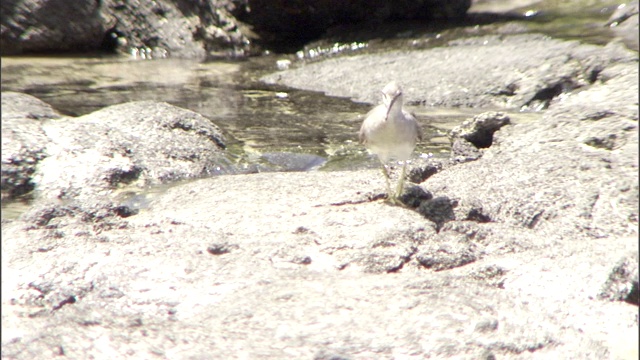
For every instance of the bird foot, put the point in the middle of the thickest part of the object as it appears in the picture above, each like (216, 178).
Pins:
(394, 200)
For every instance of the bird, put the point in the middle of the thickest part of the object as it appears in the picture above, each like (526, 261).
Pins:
(390, 132)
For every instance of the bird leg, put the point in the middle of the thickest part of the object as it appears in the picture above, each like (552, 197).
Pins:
(400, 187)
(385, 172)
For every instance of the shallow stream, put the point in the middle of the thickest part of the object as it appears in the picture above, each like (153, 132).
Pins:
(280, 129)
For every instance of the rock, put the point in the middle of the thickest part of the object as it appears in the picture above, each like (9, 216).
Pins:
(190, 29)
(184, 29)
(221, 248)
(439, 210)
(52, 25)
(526, 71)
(140, 143)
(260, 258)
(517, 254)
(622, 284)
(451, 253)
(463, 151)
(22, 106)
(53, 216)
(492, 275)
(479, 130)
(472, 135)
(421, 169)
(624, 23)
(23, 141)
(592, 186)
(413, 196)
(144, 29)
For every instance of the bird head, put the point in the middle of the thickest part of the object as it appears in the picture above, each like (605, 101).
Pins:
(391, 94)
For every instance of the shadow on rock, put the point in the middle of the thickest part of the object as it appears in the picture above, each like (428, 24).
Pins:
(439, 210)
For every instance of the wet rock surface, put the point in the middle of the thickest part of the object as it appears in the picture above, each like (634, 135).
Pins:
(528, 251)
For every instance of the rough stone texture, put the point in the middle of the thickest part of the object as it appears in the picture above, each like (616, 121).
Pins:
(302, 265)
(192, 29)
(622, 284)
(22, 106)
(624, 22)
(557, 177)
(140, 143)
(44, 25)
(149, 29)
(468, 138)
(421, 169)
(479, 130)
(510, 71)
(527, 252)
(23, 141)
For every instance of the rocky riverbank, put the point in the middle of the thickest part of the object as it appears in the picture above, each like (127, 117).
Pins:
(523, 246)
(529, 251)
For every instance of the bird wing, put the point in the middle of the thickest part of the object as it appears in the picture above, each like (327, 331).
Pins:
(361, 134)
(370, 120)
(415, 123)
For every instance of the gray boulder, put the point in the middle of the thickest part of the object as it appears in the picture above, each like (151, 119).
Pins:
(23, 141)
(574, 172)
(133, 144)
(192, 29)
(527, 252)
(146, 29)
(521, 71)
(624, 23)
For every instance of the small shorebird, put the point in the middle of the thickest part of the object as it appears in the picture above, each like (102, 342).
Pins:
(391, 133)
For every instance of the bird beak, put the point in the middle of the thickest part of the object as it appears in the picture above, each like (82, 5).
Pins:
(391, 105)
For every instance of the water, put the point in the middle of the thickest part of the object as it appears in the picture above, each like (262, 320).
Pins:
(281, 129)
(256, 119)
(267, 129)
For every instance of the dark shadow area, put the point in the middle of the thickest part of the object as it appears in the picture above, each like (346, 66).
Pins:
(287, 42)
